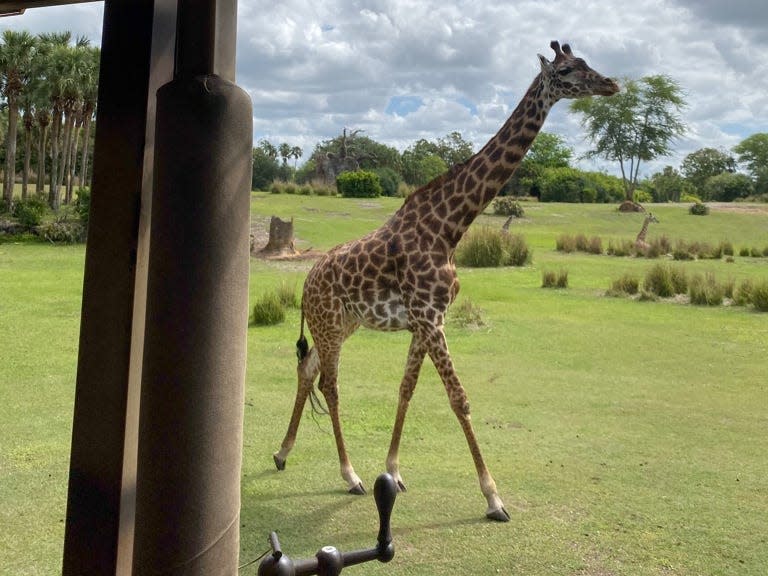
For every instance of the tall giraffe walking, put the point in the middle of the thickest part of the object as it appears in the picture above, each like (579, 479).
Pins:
(402, 276)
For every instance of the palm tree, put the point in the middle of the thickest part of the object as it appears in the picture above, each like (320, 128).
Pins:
(90, 80)
(16, 53)
(285, 152)
(44, 104)
(61, 79)
(296, 153)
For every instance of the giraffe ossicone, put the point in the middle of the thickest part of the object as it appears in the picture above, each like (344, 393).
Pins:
(402, 275)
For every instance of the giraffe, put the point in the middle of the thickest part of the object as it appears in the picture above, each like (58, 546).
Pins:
(402, 276)
(640, 243)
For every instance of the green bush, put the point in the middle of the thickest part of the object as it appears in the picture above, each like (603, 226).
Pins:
(389, 181)
(83, 206)
(743, 294)
(484, 247)
(508, 206)
(705, 291)
(358, 184)
(698, 209)
(268, 310)
(62, 232)
(744, 252)
(29, 213)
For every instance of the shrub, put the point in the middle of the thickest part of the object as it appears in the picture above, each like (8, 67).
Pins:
(29, 213)
(686, 197)
(83, 206)
(626, 284)
(484, 247)
(62, 232)
(759, 296)
(508, 206)
(276, 188)
(726, 247)
(389, 181)
(467, 314)
(744, 252)
(698, 209)
(268, 310)
(755, 252)
(705, 291)
(305, 190)
(358, 184)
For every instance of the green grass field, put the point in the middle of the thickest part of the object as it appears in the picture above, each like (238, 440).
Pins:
(626, 438)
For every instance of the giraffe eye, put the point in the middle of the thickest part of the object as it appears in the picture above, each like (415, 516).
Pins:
(565, 71)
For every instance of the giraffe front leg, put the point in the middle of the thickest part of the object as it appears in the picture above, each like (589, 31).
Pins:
(416, 355)
(307, 372)
(438, 351)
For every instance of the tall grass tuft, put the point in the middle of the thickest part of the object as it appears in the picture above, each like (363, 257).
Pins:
(627, 284)
(268, 310)
(485, 247)
(551, 279)
(759, 296)
(665, 281)
(466, 314)
(705, 290)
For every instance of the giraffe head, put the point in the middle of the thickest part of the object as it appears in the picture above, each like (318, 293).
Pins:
(570, 77)
(652, 218)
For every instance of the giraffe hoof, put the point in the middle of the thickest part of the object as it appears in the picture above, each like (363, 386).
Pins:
(358, 490)
(500, 515)
(401, 487)
(279, 462)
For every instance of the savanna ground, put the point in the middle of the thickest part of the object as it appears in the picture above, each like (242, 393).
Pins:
(626, 437)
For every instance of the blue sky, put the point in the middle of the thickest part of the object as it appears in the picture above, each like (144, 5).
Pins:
(407, 69)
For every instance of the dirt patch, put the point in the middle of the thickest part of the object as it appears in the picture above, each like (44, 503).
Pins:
(739, 208)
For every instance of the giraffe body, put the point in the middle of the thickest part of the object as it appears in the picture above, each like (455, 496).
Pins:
(402, 276)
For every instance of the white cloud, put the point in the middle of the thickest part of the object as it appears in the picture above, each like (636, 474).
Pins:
(313, 68)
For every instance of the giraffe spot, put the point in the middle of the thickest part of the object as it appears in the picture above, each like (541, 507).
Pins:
(513, 156)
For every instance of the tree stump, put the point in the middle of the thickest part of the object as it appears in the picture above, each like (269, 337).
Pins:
(281, 239)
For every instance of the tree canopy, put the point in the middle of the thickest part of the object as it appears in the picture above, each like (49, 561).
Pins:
(637, 125)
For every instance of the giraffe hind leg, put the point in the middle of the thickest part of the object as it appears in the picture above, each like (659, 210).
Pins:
(308, 369)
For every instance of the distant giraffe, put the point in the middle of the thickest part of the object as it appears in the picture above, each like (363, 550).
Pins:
(402, 275)
(640, 242)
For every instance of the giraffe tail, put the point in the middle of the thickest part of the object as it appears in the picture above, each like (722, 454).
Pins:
(302, 350)
(302, 346)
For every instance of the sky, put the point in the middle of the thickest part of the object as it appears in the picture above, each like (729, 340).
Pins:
(401, 70)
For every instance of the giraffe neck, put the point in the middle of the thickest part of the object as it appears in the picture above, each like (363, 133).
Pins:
(451, 202)
(643, 230)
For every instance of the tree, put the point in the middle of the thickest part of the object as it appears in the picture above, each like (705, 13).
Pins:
(753, 154)
(296, 153)
(669, 185)
(635, 126)
(90, 80)
(700, 166)
(265, 168)
(16, 54)
(727, 187)
(453, 149)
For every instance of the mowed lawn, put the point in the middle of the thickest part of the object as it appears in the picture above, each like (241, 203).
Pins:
(626, 438)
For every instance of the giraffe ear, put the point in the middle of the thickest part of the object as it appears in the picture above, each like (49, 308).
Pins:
(546, 65)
